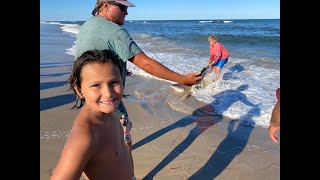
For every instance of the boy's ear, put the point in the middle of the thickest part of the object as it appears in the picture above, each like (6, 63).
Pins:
(78, 91)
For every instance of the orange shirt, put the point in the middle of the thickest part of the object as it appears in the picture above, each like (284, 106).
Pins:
(218, 51)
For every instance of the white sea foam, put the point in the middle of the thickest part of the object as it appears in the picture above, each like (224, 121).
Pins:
(72, 29)
(251, 106)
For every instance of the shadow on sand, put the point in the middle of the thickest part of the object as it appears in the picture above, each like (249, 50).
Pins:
(205, 117)
(52, 102)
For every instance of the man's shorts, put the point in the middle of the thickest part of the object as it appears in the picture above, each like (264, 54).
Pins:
(220, 63)
(122, 115)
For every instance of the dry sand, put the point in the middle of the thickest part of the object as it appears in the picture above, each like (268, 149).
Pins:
(194, 143)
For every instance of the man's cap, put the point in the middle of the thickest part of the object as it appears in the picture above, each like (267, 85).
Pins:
(100, 2)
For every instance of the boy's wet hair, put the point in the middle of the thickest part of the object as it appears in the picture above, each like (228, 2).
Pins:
(212, 37)
(94, 56)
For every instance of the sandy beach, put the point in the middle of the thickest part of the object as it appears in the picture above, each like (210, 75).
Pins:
(172, 138)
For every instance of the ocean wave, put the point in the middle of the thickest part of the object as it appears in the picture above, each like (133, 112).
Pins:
(227, 21)
(205, 21)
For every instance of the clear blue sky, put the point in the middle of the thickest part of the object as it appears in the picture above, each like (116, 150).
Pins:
(80, 10)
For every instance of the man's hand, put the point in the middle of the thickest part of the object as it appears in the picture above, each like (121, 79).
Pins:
(191, 78)
(273, 130)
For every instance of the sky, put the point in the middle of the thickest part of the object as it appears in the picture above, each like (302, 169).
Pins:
(80, 10)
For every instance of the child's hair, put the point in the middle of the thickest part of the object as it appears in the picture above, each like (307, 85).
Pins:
(213, 38)
(94, 56)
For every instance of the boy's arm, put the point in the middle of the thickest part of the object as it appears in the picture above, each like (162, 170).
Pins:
(214, 55)
(74, 157)
(211, 57)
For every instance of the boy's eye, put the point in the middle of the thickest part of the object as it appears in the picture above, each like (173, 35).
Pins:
(115, 82)
(95, 85)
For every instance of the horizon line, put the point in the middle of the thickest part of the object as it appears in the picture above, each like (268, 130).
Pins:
(180, 19)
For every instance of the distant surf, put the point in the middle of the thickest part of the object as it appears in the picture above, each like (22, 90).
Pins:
(205, 21)
(227, 21)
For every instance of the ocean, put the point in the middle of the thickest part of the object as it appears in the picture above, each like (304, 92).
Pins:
(249, 80)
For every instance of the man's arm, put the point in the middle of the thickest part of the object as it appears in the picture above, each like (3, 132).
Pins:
(159, 70)
(274, 127)
(275, 117)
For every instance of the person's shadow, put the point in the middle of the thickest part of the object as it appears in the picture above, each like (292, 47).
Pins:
(52, 102)
(228, 149)
(205, 117)
(232, 72)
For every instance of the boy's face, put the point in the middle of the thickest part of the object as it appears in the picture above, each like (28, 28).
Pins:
(101, 86)
(212, 42)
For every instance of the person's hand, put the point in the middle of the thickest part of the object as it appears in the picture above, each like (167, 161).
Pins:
(191, 78)
(211, 63)
(273, 130)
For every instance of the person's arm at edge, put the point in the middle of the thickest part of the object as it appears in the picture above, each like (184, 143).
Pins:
(159, 70)
(274, 127)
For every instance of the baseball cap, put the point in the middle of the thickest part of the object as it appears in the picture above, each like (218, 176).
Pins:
(100, 2)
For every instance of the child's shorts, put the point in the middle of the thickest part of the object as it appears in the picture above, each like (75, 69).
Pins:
(220, 63)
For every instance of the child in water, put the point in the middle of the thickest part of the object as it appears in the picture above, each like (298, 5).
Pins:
(96, 146)
(218, 55)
